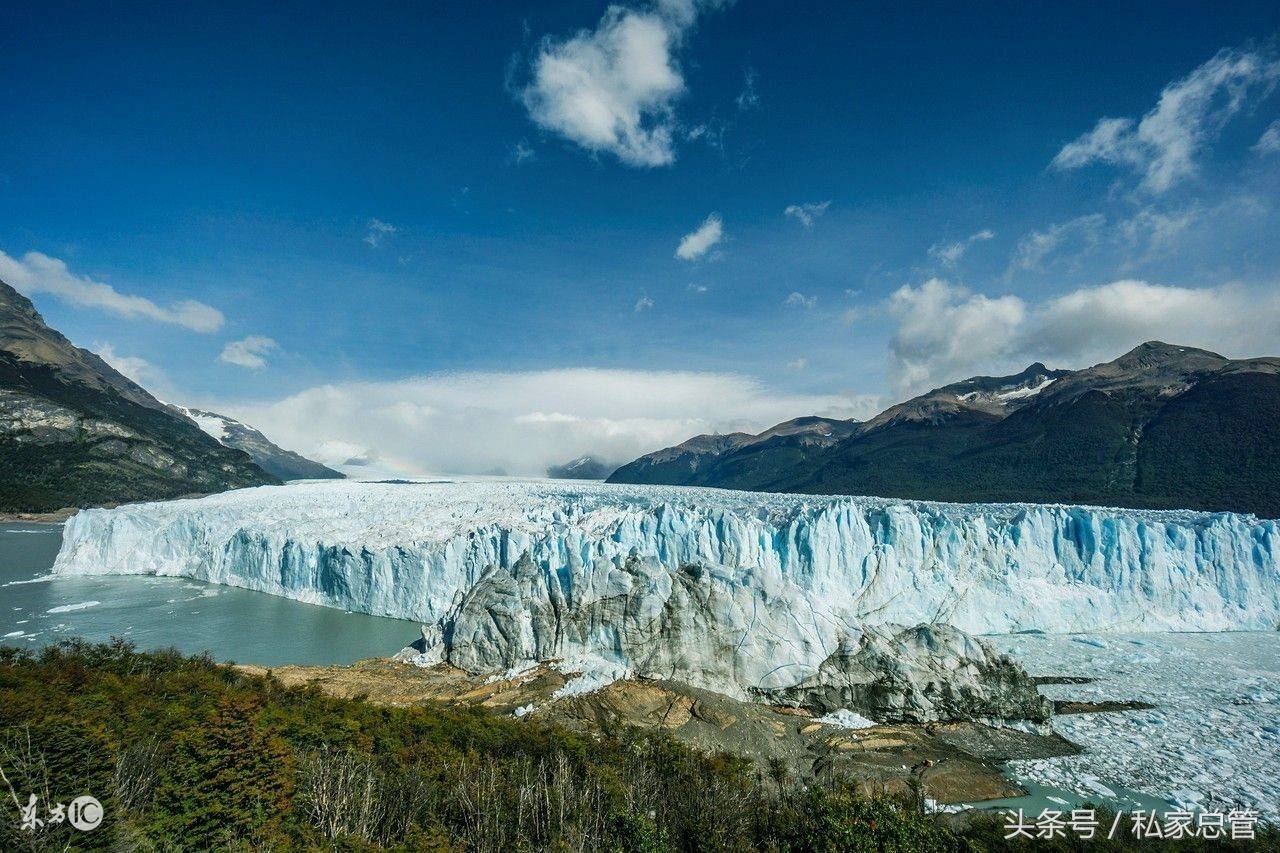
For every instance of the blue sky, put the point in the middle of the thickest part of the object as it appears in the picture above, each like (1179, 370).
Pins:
(446, 238)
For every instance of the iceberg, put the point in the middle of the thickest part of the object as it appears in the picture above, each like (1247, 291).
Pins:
(713, 587)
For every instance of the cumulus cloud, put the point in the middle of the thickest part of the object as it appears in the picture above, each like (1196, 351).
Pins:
(1269, 142)
(248, 352)
(614, 89)
(1164, 145)
(377, 232)
(798, 300)
(943, 330)
(38, 273)
(946, 332)
(698, 242)
(951, 252)
(522, 422)
(806, 213)
(138, 369)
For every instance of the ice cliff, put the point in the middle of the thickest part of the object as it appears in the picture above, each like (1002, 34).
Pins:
(759, 592)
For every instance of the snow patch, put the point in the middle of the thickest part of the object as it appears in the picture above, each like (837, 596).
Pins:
(846, 719)
(593, 674)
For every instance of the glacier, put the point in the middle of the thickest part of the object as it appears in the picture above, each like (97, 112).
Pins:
(742, 592)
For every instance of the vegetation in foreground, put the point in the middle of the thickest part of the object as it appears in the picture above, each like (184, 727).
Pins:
(187, 754)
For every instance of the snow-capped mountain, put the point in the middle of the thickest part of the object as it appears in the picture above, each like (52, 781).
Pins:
(76, 432)
(582, 468)
(275, 460)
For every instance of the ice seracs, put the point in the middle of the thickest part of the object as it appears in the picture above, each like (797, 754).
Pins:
(739, 592)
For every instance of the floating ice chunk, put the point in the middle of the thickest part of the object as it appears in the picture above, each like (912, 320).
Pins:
(71, 608)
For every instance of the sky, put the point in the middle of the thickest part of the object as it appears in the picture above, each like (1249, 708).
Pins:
(430, 238)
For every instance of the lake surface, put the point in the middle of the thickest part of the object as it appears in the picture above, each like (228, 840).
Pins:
(231, 624)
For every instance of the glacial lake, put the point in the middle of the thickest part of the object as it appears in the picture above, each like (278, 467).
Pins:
(231, 624)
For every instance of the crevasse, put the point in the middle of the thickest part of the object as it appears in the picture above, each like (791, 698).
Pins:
(787, 571)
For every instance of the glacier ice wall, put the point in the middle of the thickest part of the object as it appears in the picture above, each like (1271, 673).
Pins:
(765, 585)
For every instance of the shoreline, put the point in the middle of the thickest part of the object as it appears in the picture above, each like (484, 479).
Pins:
(57, 516)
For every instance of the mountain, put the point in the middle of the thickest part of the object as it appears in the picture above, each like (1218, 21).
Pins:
(582, 468)
(1161, 427)
(75, 432)
(270, 457)
(737, 460)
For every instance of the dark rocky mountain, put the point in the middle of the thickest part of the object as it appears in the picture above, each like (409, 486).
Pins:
(1161, 427)
(269, 456)
(582, 468)
(75, 432)
(746, 461)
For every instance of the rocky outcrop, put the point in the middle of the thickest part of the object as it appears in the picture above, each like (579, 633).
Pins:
(695, 626)
(928, 673)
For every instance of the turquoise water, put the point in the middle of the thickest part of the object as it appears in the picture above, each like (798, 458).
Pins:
(231, 624)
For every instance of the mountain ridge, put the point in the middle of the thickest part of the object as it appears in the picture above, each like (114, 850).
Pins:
(269, 456)
(76, 432)
(1160, 427)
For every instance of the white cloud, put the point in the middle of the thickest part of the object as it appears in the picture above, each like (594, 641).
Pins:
(138, 369)
(1035, 248)
(644, 303)
(951, 252)
(523, 422)
(378, 231)
(854, 315)
(1269, 142)
(248, 352)
(806, 213)
(946, 333)
(1155, 230)
(943, 330)
(798, 365)
(1163, 147)
(798, 300)
(696, 288)
(522, 153)
(748, 98)
(39, 273)
(613, 89)
(698, 242)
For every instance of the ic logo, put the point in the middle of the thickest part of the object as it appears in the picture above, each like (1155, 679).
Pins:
(85, 813)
